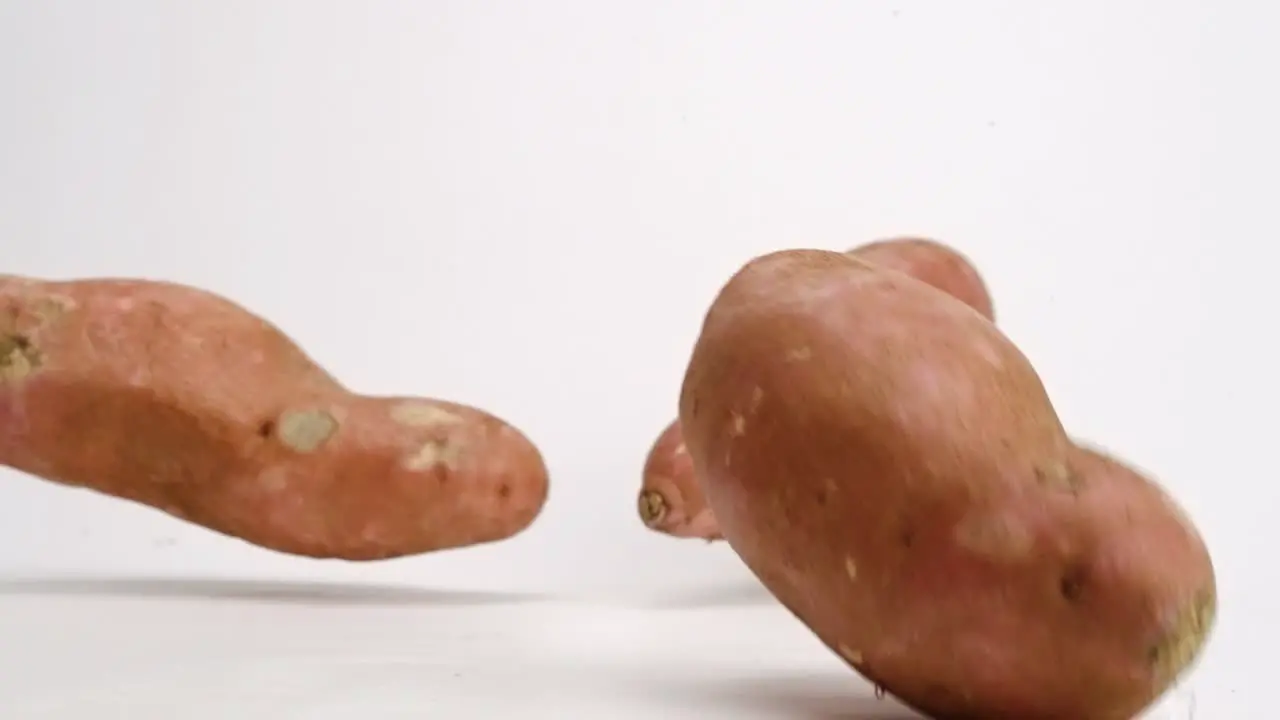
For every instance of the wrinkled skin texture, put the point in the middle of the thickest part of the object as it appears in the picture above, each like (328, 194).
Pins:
(181, 400)
(891, 468)
(672, 502)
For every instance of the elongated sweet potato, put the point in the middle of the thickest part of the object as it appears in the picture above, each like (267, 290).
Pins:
(670, 500)
(892, 469)
(179, 399)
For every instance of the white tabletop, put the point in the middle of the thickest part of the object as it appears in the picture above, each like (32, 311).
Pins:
(205, 650)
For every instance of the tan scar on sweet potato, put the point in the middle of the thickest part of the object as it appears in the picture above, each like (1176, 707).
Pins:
(179, 399)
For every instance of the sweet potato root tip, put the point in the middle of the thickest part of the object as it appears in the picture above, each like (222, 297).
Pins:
(653, 508)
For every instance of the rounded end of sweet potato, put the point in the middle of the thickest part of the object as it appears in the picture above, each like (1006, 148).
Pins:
(1179, 648)
(1154, 590)
(500, 460)
(366, 478)
(934, 263)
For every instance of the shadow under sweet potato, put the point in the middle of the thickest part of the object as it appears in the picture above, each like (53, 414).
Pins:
(303, 593)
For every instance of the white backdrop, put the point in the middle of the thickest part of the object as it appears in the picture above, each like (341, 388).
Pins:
(528, 206)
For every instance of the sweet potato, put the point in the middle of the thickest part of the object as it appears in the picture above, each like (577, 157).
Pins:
(181, 400)
(670, 500)
(891, 467)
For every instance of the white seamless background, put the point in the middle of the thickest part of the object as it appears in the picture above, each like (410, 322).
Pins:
(528, 206)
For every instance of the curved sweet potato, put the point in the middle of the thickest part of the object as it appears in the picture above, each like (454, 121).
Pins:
(892, 469)
(179, 399)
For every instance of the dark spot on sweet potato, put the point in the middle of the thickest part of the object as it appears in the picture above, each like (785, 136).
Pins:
(907, 537)
(504, 491)
(15, 342)
(821, 496)
(18, 356)
(266, 428)
(1071, 584)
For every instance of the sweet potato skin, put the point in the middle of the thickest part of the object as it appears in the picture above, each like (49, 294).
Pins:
(933, 263)
(179, 399)
(891, 468)
(672, 503)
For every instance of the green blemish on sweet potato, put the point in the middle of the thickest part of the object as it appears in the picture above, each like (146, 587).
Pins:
(305, 431)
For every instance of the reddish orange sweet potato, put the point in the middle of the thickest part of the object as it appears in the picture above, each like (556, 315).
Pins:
(891, 468)
(933, 263)
(670, 500)
(179, 399)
